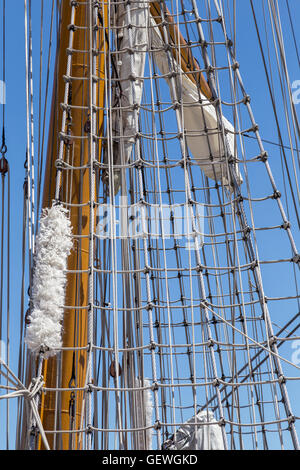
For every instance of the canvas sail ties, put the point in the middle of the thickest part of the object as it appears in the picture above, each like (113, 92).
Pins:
(198, 433)
(53, 246)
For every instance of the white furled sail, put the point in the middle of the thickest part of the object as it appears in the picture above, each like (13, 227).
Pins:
(199, 118)
(196, 434)
(127, 93)
(53, 245)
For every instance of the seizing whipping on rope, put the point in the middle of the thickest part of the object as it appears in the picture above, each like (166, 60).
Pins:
(53, 246)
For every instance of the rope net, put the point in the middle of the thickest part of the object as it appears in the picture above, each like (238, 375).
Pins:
(180, 307)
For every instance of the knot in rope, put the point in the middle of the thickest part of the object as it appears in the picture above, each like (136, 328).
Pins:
(34, 387)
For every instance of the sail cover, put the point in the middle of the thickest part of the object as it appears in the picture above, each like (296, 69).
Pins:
(194, 434)
(199, 119)
(129, 69)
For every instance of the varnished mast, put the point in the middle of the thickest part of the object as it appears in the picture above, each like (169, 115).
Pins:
(73, 365)
(72, 370)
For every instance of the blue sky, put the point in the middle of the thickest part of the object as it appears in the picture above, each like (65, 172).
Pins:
(15, 117)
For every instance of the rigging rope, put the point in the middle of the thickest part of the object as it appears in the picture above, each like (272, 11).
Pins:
(275, 114)
(195, 322)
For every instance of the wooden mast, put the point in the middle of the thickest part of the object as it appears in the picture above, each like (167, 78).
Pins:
(72, 369)
(74, 188)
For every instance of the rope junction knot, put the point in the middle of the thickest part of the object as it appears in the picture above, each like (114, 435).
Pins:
(34, 387)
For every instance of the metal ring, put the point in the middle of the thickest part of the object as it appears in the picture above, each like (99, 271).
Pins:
(3, 149)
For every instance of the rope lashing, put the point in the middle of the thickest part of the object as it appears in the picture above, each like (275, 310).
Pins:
(30, 392)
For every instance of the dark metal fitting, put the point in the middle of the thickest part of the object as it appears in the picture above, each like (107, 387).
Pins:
(59, 164)
(254, 264)
(281, 379)
(216, 383)
(296, 259)
(199, 268)
(291, 419)
(272, 341)
(235, 66)
(276, 195)
(286, 225)
(139, 164)
(3, 165)
(264, 156)
(34, 431)
(157, 425)
(89, 429)
(246, 99)
(149, 305)
(172, 74)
